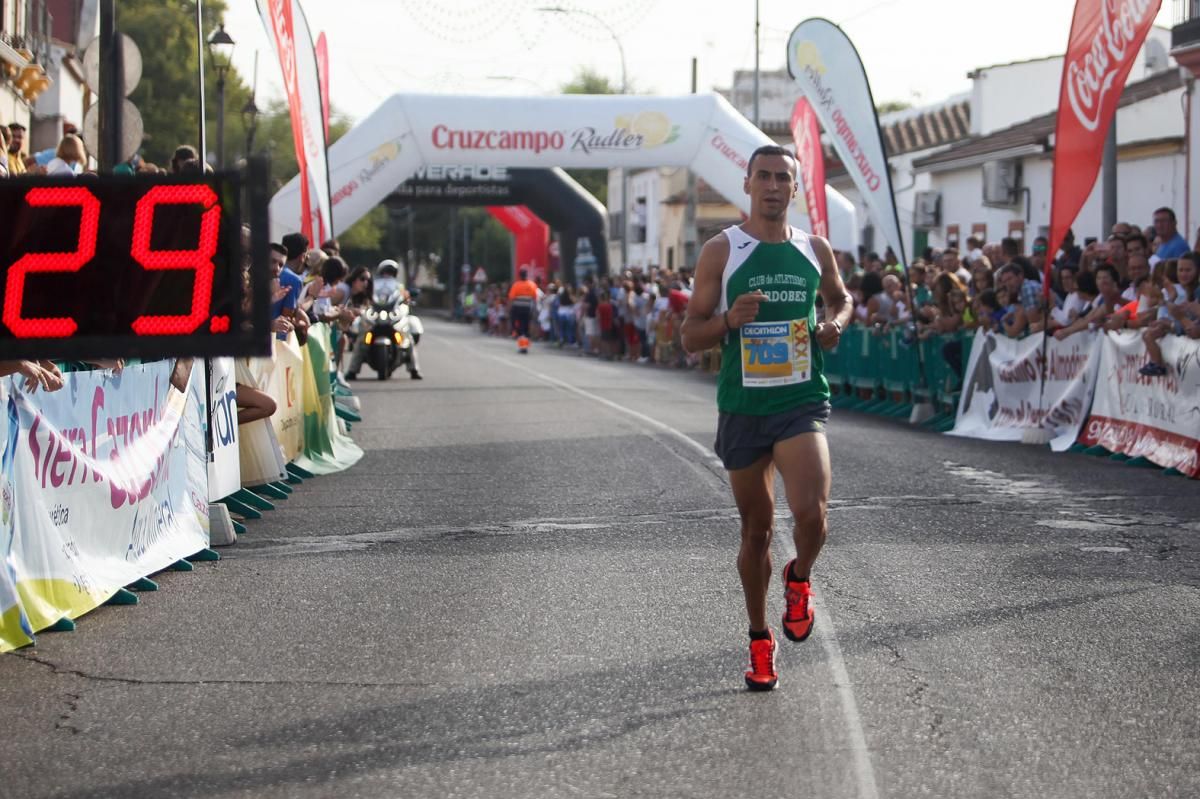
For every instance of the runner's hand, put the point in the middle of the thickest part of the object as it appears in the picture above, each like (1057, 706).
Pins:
(828, 335)
(744, 309)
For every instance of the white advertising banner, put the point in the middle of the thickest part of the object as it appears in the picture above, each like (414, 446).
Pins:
(287, 29)
(702, 132)
(1157, 418)
(224, 472)
(823, 62)
(1002, 396)
(109, 484)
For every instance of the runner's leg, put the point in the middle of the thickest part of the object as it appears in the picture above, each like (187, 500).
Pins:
(803, 462)
(754, 493)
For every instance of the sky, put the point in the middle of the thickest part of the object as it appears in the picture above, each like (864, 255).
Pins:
(915, 51)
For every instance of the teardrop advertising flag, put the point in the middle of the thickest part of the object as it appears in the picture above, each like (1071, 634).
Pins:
(323, 75)
(1106, 36)
(811, 159)
(823, 62)
(287, 28)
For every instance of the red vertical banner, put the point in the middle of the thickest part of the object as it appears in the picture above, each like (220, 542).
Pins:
(282, 30)
(323, 77)
(1106, 36)
(811, 161)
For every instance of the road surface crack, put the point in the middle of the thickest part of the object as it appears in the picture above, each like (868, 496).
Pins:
(60, 671)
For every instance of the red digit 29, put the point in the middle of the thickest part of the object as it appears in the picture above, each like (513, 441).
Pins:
(199, 259)
(14, 289)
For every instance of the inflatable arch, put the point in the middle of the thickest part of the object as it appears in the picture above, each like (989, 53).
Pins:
(701, 132)
(551, 194)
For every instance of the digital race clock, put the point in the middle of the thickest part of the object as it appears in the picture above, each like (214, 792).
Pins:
(130, 266)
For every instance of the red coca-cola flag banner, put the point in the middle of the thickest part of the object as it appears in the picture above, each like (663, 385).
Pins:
(811, 161)
(1106, 36)
(323, 77)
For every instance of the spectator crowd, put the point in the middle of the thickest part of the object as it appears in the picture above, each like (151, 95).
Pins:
(1139, 278)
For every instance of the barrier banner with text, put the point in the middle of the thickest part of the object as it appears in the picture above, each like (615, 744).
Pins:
(1157, 418)
(1000, 396)
(327, 448)
(224, 474)
(106, 482)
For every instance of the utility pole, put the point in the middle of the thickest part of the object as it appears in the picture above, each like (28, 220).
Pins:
(1108, 174)
(112, 87)
(689, 214)
(755, 63)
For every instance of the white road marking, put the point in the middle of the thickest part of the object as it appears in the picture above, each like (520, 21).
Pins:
(824, 631)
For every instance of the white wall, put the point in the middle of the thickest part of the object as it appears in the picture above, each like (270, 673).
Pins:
(1190, 217)
(1144, 184)
(65, 96)
(1004, 95)
(644, 185)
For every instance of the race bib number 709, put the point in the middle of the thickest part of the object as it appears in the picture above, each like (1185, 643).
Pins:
(775, 353)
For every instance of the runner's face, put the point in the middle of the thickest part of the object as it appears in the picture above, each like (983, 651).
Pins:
(771, 185)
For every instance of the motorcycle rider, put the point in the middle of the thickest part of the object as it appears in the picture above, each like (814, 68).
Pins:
(387, 280)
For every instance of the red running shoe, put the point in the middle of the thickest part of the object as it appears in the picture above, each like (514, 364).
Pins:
(762, 675)
(798, 616)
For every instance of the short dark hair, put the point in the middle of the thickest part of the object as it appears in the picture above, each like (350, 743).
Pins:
(183, 153)
(279, 248)
(331, 246)
(296, 244)
(1086, 283)
(1163, 210)
(1112, 272)
(987, 298)
(767, 149)
(1137, 237)
(523, 274)
(1012, 269)
(1009, 246)
(334, 269)
(15, 126)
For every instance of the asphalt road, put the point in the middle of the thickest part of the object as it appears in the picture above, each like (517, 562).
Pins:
(526, 588)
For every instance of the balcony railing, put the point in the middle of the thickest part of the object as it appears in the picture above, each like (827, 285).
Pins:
(1186, 32)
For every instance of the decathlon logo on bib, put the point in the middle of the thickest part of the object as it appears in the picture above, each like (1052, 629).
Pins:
(775, 353)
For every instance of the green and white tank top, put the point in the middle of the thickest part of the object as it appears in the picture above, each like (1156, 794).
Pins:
(773, 364)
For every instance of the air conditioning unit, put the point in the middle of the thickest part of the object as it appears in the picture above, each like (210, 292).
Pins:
(928, 210)
(1001, 182)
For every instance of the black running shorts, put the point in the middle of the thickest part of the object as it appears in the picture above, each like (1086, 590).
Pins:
(742, 439)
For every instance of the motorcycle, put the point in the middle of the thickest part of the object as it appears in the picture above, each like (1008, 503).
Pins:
(391, 330)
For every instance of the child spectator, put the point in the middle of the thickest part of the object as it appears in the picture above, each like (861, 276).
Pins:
(606, 321)
(1180, 316)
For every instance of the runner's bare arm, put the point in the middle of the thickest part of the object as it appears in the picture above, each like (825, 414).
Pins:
(839, 305)
(701, 329)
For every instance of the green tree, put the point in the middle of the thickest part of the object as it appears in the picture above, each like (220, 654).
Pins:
(892, 105)
(587, 81)
(168, 94)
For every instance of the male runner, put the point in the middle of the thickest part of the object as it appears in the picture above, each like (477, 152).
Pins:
(522, 307)
(755, 291)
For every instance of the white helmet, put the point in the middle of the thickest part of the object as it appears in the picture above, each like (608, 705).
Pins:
(388, 265)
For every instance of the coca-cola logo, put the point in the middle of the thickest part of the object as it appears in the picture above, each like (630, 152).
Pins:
(1092, 73)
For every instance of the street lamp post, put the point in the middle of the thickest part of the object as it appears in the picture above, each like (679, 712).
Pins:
(220, 44)
(250, 121)
(624, 90)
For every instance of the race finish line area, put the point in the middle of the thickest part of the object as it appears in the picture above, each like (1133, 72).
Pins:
(532, 401)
